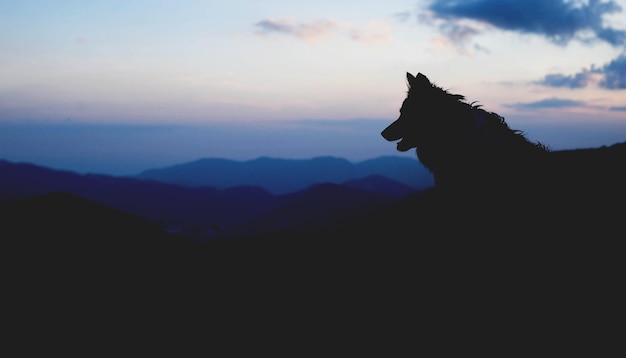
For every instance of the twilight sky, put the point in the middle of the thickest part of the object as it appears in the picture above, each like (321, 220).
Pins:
(118, 86)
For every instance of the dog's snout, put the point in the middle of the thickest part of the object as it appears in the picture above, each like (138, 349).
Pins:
(392, 132)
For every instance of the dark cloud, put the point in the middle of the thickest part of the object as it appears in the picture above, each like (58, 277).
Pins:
(558, 20)
(548, 103)
(578, 80)
(615, 73)
(610, 76)
(618, 109)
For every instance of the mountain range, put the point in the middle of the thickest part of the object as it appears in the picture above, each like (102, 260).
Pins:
(241, 208)
(282, 176)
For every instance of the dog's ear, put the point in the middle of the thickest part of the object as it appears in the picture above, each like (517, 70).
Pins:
(410, 79)
(417, 81)
(422, 80)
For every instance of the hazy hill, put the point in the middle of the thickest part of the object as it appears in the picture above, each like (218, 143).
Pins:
(322, 207)
(380, 184)
(281, 176)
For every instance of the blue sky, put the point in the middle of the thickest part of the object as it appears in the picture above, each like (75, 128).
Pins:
(121, 86)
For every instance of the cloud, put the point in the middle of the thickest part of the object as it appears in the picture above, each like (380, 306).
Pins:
(618, 109)
(547, 104)
(578, 80)
(560, 21)
(615, 73)
(458, 34)
(309, 32)
(403, 16)
(610, 76)
(374, 32)
(461, 39)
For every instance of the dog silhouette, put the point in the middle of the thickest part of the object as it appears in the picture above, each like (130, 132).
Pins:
(542, 230)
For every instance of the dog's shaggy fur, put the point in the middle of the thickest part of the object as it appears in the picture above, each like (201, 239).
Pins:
(473, 152)
(462, 144)
(512, 216)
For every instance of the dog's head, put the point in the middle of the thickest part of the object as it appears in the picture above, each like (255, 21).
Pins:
(409, 127)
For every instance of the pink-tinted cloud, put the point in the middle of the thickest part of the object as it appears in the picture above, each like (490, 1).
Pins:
(374, 33)
(307, 31)
(314, 31)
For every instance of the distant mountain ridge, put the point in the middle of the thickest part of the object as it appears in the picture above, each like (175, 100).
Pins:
(205, 211)
(281, 176)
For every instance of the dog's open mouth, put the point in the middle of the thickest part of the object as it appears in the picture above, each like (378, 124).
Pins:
(394, 133)
(403, 145)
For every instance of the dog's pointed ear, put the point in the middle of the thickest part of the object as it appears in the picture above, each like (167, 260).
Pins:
(417, 81)
(410, 79)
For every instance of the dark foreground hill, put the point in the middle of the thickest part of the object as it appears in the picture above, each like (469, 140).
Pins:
(80, 276)
(414, 276)
(85, 279)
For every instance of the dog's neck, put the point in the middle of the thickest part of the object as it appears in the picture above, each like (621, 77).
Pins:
(478, 132)
(486, 153)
